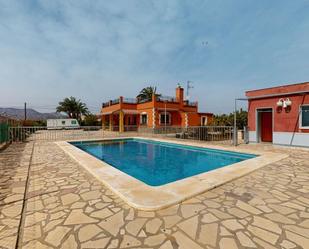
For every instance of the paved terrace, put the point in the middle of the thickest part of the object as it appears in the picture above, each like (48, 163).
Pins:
(48, 201)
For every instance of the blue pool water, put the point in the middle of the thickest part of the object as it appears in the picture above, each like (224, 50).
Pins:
(158, 163)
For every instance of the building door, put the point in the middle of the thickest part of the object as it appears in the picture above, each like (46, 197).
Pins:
(266, 126)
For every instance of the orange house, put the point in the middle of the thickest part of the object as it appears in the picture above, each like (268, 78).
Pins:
(128, 114)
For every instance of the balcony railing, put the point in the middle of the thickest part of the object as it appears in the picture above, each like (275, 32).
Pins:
(115, 101)
(111, 102)
(105, 104)
(166, 99)
(130, 100)
(137, 101)
(191, 103)
(143, 100)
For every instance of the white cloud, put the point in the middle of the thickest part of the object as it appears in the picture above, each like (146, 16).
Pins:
(98, 50)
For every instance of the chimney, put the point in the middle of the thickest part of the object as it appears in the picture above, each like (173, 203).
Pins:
(179, 94)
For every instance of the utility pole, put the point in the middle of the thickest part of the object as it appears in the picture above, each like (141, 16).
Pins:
(235, 132)
(165, 117)
(189, 86)
(25, 110)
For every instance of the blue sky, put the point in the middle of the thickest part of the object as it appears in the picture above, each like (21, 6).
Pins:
(97, 50)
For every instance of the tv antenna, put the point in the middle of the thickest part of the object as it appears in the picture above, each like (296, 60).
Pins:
(189, 86)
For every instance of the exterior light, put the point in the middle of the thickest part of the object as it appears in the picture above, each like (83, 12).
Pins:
(280, 103)
(288, 102)
(284, 103)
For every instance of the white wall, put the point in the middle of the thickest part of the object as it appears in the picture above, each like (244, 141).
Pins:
(285, 138)
(290, 138)
(252, 137)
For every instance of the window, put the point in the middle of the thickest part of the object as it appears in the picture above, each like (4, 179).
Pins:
(63, 122)
(73, 122)
(304, 116)
(144, 119)
(204, 121)
(165, 118)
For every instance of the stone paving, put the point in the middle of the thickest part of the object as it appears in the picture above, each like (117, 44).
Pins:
(65, 207)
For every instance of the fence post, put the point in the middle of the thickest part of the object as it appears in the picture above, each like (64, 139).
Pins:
(235, 136)
(246, 135)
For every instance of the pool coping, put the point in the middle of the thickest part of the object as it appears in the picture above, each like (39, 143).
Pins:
(149, 198)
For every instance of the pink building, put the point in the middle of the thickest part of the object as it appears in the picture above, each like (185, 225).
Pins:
(279, 115)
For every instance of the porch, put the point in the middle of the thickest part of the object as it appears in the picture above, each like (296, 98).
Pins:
(120, 121)
(133, 120)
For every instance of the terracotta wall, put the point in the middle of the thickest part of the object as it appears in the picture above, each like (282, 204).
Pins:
(279, 90)
(284, 120)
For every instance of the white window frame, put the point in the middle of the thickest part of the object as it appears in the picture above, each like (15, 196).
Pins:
(301, 117)
(167, 114)
(140, 120)
(202, 120)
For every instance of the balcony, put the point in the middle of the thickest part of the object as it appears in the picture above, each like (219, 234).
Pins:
(111, 102)
(160, 98)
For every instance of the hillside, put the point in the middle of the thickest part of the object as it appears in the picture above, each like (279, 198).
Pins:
(31, 114)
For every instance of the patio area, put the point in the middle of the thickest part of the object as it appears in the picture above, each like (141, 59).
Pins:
(47, 200)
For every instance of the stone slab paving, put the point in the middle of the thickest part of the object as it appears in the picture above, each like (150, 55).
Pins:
(14, 164)
(65, 207)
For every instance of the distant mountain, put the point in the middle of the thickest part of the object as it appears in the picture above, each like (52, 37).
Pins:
(31, 114)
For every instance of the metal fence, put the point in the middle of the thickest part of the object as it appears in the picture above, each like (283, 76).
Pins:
(201, 133)
(221, 134)
(41, 133)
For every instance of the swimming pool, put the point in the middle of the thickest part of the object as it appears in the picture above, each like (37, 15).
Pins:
(158, 163)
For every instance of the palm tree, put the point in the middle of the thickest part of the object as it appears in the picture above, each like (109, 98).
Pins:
(146, 93)
(73, 107)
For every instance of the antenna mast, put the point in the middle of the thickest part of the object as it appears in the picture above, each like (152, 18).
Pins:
(189, 86)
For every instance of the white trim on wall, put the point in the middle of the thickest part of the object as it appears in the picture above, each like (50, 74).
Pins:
(300, 117)
(140, 120)
(186, 120)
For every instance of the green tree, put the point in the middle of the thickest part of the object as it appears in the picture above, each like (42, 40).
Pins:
(146, 93)
(228, 119)
(73, 108)
(91, 120)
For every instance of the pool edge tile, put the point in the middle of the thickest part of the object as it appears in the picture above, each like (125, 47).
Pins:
(144, 197)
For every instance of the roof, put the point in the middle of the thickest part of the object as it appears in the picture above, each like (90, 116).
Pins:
(284, 89)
